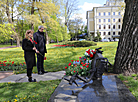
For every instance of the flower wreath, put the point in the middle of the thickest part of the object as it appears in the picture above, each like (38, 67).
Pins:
(89, 53)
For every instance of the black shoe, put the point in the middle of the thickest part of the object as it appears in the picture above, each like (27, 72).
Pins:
(40, 73)
(44, 72)
(30, 79)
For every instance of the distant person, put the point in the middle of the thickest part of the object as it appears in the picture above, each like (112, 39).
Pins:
(29, 53)
(41, 47)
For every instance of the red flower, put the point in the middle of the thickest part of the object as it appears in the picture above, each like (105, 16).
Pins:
(84, 59)
(65, 67)
(45, 58)
(91, 55)
(87, 66)
(77, 60)
(35, 42)
(72, 60)
(88, 51)
(69, 64)
(81, 62)
(79, 57)
(4, 61)
(13, 62)
(74, 71)
(9, 61)
(24, 62)
(4, 64)
(80, 67)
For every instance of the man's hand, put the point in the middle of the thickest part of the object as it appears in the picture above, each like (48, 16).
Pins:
(37, 51)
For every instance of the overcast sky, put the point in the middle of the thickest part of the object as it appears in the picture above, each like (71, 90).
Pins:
(86, 5)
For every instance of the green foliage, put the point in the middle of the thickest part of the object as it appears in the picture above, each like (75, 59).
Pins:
(98, 37)
(6, 32)
(79, 43)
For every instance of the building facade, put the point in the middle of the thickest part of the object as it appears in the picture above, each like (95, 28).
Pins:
(106, 19)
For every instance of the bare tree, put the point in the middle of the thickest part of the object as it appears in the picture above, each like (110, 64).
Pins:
(71, 6)
(126, 60)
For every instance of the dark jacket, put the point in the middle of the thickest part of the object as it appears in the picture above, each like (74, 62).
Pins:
(29, 53)
(41, 42)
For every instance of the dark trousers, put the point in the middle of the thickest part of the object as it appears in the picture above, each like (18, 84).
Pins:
(40, 62)
(29, 72)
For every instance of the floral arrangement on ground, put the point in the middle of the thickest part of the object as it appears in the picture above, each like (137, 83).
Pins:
(81, 66)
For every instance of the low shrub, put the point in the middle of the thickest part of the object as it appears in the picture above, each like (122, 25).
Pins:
(76, 44)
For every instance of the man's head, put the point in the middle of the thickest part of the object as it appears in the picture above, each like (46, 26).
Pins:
(41, 28)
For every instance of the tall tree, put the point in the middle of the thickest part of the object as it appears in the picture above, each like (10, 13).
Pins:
(71, 6)
(126, 59)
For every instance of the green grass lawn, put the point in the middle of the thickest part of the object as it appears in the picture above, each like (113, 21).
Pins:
(131, 83)
(57, 59)
(27, 92)
(3, 45)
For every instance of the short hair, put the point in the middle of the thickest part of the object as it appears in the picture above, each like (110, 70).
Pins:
(40, 27)
(27, 32)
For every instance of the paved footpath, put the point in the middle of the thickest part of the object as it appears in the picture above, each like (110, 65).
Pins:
(23, 77)
(7, 47)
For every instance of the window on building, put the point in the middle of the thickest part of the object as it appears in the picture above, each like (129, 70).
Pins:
(99, 14)
(109, 26)
(108, 20)
(104, 33)
(113, 33)
(119, 27)
(99, 26)
(119, 20)
(113, 20)
(119, 13)
(99, 20)
(104, 13)
(119, 33)
(108, 13)
(113, 13)
(113, 26)
(104, 27)
(108, 33)
(104, 20)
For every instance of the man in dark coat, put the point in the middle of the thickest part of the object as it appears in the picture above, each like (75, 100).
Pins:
(41, 47)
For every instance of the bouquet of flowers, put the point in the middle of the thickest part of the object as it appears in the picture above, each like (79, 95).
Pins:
(89, 53)
(34, 42)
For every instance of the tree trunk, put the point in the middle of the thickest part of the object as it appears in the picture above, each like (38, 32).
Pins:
(47, 42)
(32, 12)
(126, 60)
(10, 21)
